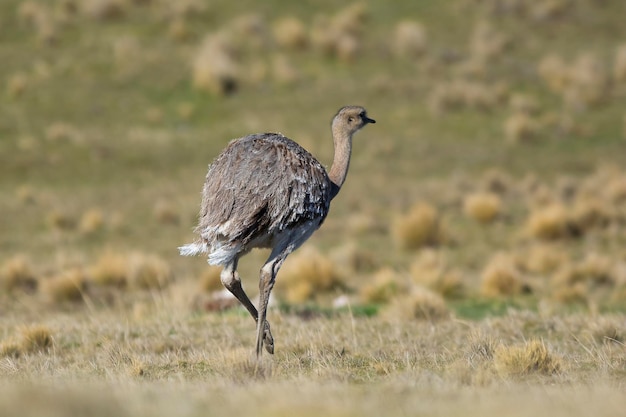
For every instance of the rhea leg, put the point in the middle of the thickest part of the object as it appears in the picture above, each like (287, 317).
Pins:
(266, 283)
(230, 279)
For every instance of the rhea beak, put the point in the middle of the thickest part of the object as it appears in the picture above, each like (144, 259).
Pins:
(368, 120)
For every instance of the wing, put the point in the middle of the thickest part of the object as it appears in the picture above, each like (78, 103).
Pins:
(261, 185)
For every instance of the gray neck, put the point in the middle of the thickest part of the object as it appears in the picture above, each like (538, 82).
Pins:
(341, 160)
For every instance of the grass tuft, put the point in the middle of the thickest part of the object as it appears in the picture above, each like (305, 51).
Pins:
(290, 33)
(111, 269)
(215, 67)
(210, 280)
(384, 286)
(482, 207)
(430, 270)
(549, 223)
(67, 286)
(10, 349)
(148, 272)
(409, 40)
(501, 277)
(533, 357)
(307, 275)
(17, 274)
(418, 304)
(420, 227)
(37, 338)
(91, 222)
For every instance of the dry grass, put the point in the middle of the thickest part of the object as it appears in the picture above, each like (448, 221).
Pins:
(482, 207)
(210, 279)
(521, 127)
(17, 274)
(215, 67)
(421, 226)
(409, 40)
(533, 357)
(307, 275)
(148, 272)
(36, 338)
(501, 277)
(66, 286)
(289, 32)
(431, 270)
(418, 304)
(121, 109)
(91, 222)
(549, 223)
(385, 285)
(110, 269)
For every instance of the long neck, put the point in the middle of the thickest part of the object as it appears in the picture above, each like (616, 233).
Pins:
(341, 160)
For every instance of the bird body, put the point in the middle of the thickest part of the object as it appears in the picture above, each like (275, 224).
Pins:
(288, 189)
(266, 191)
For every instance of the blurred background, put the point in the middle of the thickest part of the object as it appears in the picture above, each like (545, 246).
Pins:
(494, 176)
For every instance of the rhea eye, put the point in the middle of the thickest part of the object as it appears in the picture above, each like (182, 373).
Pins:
(350, 119)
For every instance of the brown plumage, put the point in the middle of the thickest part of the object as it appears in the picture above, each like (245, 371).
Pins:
(266, 191)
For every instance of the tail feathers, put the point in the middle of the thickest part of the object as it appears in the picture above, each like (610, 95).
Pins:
(193, 249)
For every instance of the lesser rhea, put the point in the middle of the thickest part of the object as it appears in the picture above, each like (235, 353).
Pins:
(266, 191)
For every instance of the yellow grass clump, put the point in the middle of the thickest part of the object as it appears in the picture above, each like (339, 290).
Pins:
(36, 338)
(67, 286)
(215, 67)
(549, 223)
(594, 269)
(409, 39)
(111, 269)
(418, 304)
(421, 226)
(10, 349)
(210, 280)
(306, 275)
(340, 35)
(384, 286)
(353, 259)
(544, 258)
(501, 277)
(148, 272)
(486, 42)
(429, 270)
(92, 221)
(521, 127)
(589, 83)
(533, 357)
(590, 212)
(555, 72)
(482, 207)
(17, 273)
(290, 33)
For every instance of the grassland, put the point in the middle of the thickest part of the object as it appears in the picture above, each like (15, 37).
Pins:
(474, 263)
